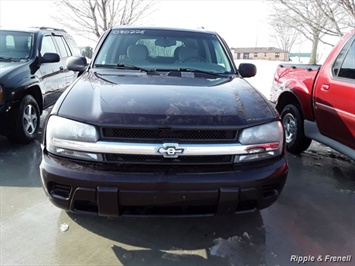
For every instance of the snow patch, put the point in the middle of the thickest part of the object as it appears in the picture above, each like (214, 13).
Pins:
(246, 235)
(346, 191)
(264, 76)
(64, 227)
(238, 250)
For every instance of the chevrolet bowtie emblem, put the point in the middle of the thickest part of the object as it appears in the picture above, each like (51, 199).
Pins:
(171, 150)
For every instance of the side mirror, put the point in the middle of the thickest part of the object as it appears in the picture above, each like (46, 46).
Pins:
(247, 70)
(50, 58)
(77, 63)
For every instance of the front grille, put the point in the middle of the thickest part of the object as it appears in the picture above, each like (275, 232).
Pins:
(182, 160)
(140, 135)
(154, 135)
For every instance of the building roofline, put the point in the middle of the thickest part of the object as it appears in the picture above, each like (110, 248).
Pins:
(259, 50)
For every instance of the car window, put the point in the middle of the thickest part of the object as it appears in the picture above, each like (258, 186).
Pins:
(164, 49)
(71, 44)
(15, 45)
(347, 69)
(63, 46)
(344, 65)
(47, 45)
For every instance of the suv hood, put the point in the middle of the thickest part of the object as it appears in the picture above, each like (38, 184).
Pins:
(6, 67)
(152, 100)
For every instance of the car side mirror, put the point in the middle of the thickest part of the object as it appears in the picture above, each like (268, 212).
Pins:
(50, 58)
(247, 70)
(77, 63)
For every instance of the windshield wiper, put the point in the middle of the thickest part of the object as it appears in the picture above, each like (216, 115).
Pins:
(131, 67)
(124, 66)
(6, 59)
(219, 75)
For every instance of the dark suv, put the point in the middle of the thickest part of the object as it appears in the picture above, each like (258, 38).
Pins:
(161, 122)
(33, 74)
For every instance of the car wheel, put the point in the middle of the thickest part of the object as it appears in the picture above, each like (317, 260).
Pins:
(25, 123)
(292, 121)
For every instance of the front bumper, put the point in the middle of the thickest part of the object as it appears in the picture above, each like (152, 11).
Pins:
(91, 189)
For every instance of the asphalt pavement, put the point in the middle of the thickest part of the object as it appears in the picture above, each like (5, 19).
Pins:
(312, 223)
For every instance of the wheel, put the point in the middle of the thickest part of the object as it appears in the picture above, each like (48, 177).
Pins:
(25, 121)
(194, 59)
(296, 141)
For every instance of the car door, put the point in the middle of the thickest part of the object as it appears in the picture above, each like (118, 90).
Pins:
(65, 52)
(52, 74)
(335, 97)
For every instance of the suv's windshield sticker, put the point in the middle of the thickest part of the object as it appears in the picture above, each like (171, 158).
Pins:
(128, 32)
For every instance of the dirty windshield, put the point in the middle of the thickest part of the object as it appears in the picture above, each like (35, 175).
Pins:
(164, 50)
(14, 45)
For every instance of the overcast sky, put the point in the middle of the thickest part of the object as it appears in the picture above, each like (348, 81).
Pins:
(242, 23)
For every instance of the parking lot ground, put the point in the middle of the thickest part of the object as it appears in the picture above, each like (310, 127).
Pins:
(314, 217)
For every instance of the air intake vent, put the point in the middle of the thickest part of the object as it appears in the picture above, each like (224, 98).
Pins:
(182, 160)
(59, 191)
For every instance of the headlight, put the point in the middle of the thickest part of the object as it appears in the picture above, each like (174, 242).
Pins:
(61, 132)
(264, 141)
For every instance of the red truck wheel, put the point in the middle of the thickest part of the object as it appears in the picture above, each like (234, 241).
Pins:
(292, 121)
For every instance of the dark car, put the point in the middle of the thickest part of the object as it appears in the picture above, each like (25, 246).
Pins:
(161, 122)
(33, 74)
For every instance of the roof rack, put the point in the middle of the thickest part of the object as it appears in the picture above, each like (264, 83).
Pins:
(50, 28)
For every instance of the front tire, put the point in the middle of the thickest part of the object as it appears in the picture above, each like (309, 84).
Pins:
(296, 141)
(25, 121)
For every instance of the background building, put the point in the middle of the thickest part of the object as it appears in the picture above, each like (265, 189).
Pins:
(264, 53)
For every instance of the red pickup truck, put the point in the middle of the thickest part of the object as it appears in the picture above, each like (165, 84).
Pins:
(317, 102)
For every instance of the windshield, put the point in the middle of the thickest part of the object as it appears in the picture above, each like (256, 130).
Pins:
(15, 45)
(167, 50)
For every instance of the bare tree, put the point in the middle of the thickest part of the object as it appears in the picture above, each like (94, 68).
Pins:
(284, 35)
(349, 7)
(335, 14)
(304, 17)
(313, 19)
(92, 17)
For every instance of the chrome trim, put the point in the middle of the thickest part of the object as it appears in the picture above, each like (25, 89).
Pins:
(157, 149)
